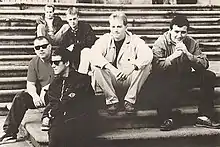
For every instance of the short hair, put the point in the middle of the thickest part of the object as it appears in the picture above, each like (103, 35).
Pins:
(41, 38)
(63, 53)
(119, 15)
(180, 21)
(72, 11)
(49, 6)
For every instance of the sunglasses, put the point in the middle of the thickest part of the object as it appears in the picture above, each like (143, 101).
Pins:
(56, 62)
(44, 46)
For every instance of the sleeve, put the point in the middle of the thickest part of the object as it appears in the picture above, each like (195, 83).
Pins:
(199, 61)
(159, 56)
(90, 37)
(98, 52)
(144, 54)
(32, 73)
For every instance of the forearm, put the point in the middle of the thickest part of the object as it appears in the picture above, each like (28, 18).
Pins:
(32, 90)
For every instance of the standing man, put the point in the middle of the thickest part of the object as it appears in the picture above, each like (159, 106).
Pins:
(122, 63)
(70, 107)
(49, 24)
(40, 75)
(78, 39)
(178, 66)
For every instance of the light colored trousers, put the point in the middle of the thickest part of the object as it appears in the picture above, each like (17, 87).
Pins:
(114, 89)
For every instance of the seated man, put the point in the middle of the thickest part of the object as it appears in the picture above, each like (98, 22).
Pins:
(178, 66)
(40, 75)
(49, 24)
(78, 39)
(122, 63)
(70, 107)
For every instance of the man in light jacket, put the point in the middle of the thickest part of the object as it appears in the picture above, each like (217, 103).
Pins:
(122, 63)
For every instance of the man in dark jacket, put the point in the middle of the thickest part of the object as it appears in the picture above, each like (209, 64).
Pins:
(178, 66)
(78, 39)
(70, 107)
(49, 24)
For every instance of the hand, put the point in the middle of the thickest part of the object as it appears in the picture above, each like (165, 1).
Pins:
(125, 73)
(38, 102)
(176, 54)
(180, 46)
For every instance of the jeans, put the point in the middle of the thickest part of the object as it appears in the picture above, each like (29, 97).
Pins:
(21, 103)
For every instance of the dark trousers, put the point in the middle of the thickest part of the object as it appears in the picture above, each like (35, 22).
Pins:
(76, 132)
(21, 103)
(167, 89)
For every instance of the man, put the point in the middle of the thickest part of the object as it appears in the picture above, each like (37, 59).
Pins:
(40, 74)
(78, 39)
(122, 63)
(70, 104)
(49, 24)
(178, 66)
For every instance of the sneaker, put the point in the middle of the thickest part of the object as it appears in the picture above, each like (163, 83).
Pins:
(8, 138)
(112, 108)
(45, 126)
(207, 123)
(129, 107)
(167, 125)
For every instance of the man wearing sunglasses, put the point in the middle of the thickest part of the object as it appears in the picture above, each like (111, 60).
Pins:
(40, 74)
(179, 65)
(70, 103)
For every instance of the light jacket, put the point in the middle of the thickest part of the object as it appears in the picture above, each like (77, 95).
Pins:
(164, 47)
(134, 51)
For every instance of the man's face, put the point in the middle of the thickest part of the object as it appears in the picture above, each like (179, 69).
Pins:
(117, 29)
(49, 13)
(58, 65)
(72, 20)
(42, 49)
(178, 33)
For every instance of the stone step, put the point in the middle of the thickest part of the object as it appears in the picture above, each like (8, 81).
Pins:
(143, 29)
(30, 21)
(104, 14)
(128, 130)
(150, 39)
(108, 6)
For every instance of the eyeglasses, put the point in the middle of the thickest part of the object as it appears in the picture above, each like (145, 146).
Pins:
(56, 62)
(44, 46)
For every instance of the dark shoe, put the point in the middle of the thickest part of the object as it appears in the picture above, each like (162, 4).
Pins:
(167, 125)
(8, 138)
(207, 123)
(45, 126)
(129, 107)
(112, 108)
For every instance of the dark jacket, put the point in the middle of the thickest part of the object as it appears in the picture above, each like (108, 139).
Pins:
(164, 47)
(57, 22)
(84, 37)
(70, 98)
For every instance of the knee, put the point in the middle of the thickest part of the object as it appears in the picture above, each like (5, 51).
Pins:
(209, 75)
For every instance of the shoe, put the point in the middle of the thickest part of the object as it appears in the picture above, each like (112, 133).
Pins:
(112, 108)
(8, 138)
(207, 123)
(45, 126)
(167, 125)
(129, 107)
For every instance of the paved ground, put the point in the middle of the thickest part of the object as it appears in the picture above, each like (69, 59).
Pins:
(20, 143)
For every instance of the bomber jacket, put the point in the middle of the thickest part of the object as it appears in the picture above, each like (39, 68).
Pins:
(70, 98)
(164, 47)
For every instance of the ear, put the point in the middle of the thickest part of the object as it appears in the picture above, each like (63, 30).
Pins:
(67, 63)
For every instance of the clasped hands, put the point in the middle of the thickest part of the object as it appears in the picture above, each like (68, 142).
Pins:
(180, 49)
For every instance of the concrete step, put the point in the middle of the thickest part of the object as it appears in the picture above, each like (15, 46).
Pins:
(150, 39)
(89, 6)
(30, 21)
(105, 14)
(17, 50)
(135, 132)
(143, 29)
